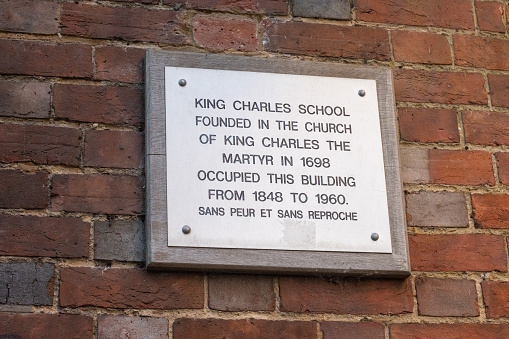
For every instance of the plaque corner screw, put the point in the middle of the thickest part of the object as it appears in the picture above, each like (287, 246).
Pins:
(362, 92)
(182, 82)
(186, 229)
(374, 236)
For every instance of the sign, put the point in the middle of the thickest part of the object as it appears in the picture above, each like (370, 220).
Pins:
(273, 159)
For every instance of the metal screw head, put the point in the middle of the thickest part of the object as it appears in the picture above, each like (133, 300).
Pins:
(186, 229)
(374, 236)
(182, 82)
(362, 92)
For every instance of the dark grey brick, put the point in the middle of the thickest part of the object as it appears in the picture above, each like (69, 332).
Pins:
(122, 240)
(26, 283)
(325, 9)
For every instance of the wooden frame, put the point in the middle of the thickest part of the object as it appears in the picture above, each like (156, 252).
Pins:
(161, 256)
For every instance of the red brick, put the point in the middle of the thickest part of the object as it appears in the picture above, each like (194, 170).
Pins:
(496, 298)
(24, 99)
(428, 125)
(414, 165)
(491, 210)
(439, 87)
(131, 24)
(440, 331)
(457, 252)
(185, 328)
(55, 326)
(326, 40)
(439, 13)
(486, 128)
(336, 329)
(43, 236)
(23, 190)
(119, 64)
(132, 327)
(129, 288)
(436, 209)
(420, 47)
(119, 149)
(241, 293)
(460, 167)
(97, 193)
(103, 104)
(152, 2)
(489, 16)
(40, 144)
(218, 33)
(46, 59)
(474, 51)
(237, 6)
(446, 297)
(29, 16)
(349, 296)
(499, 89)
(503, 167)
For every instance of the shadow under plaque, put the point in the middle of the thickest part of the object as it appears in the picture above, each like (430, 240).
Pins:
(272, 166)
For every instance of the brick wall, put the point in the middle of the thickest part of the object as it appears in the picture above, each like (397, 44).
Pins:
(72, 171)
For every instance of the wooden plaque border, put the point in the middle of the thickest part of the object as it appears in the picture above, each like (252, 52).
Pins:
(160, 256)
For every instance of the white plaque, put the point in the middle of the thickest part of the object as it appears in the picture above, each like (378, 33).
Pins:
(274, 161)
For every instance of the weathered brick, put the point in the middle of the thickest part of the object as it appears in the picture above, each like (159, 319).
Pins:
(489, 16)
(153, 2)
(103, 104)
(486, 128)
(326, 40)
(43, 236)
(186, 328)
(414, 165)
(218, 33)
(474, 51)
(129, 288)
(46, 59)
(23, 190)
(503, 167)
(438, 13)
(241, 293)
(446, 297)
(122, 240)
(428, 125)
(37, 325)
(460, 167)
(324, 9)
(457, 252)
(439, 87)
(119, 64)
(436, 331)
(26, 284)
(348, 296)
(29, 16)
(499, 89)
(97, 193)
(436, 209)
(132, 327)
(336, 329)
(131, 24)
(238, 6)
(119, 149)
(491, 210)
(496, 298)
(40, 144)
(24, 99)
(421, 47)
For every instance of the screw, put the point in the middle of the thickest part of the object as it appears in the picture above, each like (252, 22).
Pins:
(182, 82)
(186, 229)
(362, 92)
(374, 236)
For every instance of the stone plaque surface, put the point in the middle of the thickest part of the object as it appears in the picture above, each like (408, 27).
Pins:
(263, 165)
